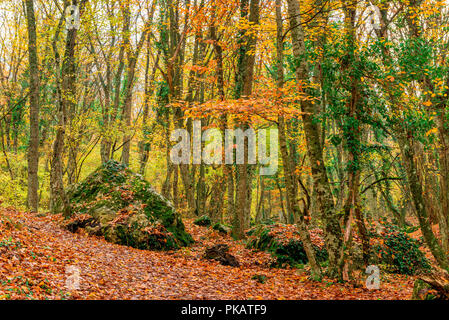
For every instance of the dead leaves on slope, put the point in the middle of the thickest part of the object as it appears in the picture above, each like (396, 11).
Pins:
(35, 252)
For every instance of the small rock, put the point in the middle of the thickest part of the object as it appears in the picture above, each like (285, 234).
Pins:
(220, 253)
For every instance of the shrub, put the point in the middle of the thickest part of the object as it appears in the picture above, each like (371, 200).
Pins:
(399, 252)
(13, 189)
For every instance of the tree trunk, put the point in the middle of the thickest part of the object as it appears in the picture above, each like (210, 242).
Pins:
(144, 145)
(287, 158)
(408, 157)
(133, 56)
(333, 233)
(66, 106)
(243, 88)
(444, 180)
(33, 148)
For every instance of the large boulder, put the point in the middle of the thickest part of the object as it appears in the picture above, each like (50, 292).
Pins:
(121, 206)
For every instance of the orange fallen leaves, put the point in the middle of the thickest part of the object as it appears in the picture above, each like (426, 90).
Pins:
(35, 251)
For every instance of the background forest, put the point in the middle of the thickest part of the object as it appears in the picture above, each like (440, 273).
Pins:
(358, 91)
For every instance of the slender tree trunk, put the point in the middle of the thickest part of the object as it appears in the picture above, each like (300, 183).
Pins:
(227, 169)
(5, 153)
(33, 148)
(287, 158)
(66, 107)
(261, 199)
(409, 159)
(283, 218)
(353, 137)
(244, 81)
(144, 145)
(133, 56)
(443, 216)
(333, 233)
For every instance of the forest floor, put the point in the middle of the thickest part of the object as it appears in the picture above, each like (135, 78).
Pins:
(35, 251)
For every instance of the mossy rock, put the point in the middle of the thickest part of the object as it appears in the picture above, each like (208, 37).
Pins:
(422, 291)
(220, 253)
(203, 221)
(221, 228)
(285, 247)
(121, 206)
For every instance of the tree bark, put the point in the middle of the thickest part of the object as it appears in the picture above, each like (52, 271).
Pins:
(243, 88)
(333, 233)
(287, 158)
(33, 148)
(409, 159)
(66, 106)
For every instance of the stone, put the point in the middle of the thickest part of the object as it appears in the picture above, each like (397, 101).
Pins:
(203, 221)
(121, 206)
(220, 253)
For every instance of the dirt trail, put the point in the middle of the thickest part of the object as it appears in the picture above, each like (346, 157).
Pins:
(35, 251)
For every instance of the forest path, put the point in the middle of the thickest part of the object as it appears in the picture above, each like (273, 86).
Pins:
(35, 251)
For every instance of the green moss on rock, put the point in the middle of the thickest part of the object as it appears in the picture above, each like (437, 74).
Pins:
(221, 228)
(203, 221)
(282, 241)
(120, 205)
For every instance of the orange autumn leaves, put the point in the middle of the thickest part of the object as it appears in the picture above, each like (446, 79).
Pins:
(35, 252)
